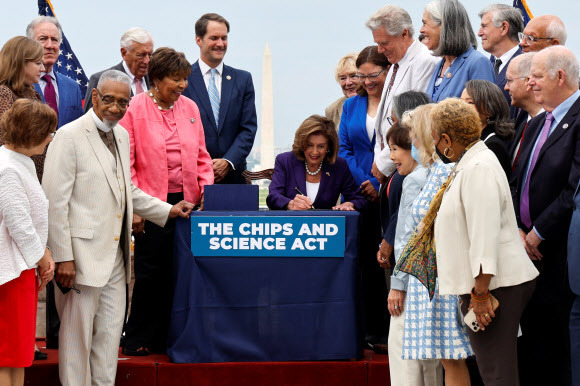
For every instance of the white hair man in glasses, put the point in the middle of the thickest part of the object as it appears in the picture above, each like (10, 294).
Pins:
(541, 32)
(92, 199)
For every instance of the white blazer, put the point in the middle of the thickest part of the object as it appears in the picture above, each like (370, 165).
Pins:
(476, 227)
(84, 203)
(415, 71)
(23, 215)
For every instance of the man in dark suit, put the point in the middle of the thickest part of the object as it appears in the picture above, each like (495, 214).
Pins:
(136, 50)
(522, 98)
(225, 97)
(543, 184)
(500, 25)
(64, 96)
(58, 91)
(574, 277)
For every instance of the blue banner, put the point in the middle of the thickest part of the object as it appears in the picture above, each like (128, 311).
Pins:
(311, 236)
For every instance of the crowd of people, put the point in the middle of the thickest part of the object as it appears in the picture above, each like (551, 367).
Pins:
(464, 168)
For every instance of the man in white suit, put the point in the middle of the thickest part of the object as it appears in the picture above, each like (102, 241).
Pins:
(411, 69)
(92, 200)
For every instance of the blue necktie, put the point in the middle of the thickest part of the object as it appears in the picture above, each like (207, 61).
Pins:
(214, 97)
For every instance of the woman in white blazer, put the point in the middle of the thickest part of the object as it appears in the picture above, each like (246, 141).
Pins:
(479, 252)
(27, 128)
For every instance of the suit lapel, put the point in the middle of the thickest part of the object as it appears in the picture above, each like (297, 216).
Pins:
(124, 160)
(324, 180)
(562, 127)
(402, 71)
(452, 70)
(101, 152)
(227, 87)
(202, 96)
(39, 90)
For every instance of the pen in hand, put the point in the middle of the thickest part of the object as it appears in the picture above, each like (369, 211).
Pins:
(299, 192)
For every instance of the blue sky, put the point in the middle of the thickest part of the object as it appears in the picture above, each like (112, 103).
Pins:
(306, 39)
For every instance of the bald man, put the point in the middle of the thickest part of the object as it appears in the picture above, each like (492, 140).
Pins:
(543, 185)
(545, 31)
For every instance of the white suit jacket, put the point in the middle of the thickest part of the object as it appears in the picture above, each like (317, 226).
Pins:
(84, 203)
(415, 71)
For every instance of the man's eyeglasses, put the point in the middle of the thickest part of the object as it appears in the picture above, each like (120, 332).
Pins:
(510, 80)
(530, 38)
(370, 76)
(109, 100)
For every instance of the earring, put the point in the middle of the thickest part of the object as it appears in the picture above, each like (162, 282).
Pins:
(446, 151)
(489, 121)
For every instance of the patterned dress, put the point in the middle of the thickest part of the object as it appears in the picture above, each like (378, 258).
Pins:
(433, 329)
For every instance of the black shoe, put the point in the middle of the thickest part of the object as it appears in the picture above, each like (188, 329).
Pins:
(39, 355)
(52, 342)
(140, 352)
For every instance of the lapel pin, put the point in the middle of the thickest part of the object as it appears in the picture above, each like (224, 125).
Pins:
(228, 77)
(192, 120)
(565, 126)
(328, 174)
(448, 75)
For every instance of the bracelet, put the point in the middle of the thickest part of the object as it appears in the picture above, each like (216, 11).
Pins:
(480, 298)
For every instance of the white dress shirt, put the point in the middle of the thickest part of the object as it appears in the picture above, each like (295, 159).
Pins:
(206, 72)
(505, 58)
(23, 215)
(133, 87)
(42, 83)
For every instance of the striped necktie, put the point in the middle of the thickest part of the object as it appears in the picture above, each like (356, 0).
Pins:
(214, 97)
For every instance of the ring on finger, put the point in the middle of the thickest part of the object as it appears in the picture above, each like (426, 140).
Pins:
(487, 315)
(396, 307)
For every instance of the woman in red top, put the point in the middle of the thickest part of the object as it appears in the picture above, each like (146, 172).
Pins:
(169, 160)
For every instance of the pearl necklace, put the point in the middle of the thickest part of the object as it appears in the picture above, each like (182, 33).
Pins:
(157, 103)
(316, 172)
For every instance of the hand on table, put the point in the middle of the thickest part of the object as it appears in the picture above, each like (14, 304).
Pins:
(348, 206)
(181, 209)
(300, 202)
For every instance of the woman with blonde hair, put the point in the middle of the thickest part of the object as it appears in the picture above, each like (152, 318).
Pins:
(346, 77)
(423, 318)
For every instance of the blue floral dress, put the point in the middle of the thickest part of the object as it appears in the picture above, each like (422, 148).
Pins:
(433, 329)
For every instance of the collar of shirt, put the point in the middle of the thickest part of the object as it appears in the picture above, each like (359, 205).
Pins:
(505, 58)
(539, 112)
(205, 69)
(100, 124)
(562, 109)
(42, 83)
(128, 72)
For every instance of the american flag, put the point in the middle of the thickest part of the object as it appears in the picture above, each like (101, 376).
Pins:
(523, 7)
(67, 63)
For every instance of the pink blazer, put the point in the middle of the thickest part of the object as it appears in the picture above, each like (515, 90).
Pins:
(149, 172)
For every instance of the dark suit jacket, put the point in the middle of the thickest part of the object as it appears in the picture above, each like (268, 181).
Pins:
(336, 179)
(552, 186)
(520, 126)
(390, 206)
(70, 99)
(499, 148)
(574, 247)
(94, 80)
(501, 81)
(234, 137)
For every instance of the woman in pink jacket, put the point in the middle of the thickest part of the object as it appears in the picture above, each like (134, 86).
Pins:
(169, 160)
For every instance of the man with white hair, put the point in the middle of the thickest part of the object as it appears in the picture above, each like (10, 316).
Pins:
(136, 50)
(522, 98)
(543, 185)
(541, 32)
(92, 199)
(500, 25)
(411, 69)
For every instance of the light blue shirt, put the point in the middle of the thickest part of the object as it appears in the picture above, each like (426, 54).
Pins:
(559, 113)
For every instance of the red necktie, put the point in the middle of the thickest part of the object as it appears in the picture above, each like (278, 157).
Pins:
(50, 93)
(138, 87)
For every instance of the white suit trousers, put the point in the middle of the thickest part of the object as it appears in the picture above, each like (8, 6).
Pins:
(91, 324)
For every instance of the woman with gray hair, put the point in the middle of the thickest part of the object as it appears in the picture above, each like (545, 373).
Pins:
(448, 33)
(345, 74)
(494, 114)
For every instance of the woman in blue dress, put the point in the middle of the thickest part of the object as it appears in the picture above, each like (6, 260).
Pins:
(432, 329)
(448, 33)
